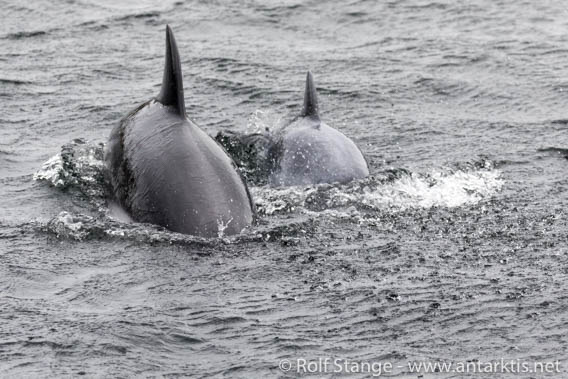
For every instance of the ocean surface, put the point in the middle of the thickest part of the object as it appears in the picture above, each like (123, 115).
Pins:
(454, 250)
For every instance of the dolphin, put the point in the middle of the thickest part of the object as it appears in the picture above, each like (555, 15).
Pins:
(308, 151)
(165, 170)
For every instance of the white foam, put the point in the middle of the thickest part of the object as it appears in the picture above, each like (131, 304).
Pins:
(262, 120)
(67, 224)
(440, 188)
(222, 226)
(53, 172)
(275, 200)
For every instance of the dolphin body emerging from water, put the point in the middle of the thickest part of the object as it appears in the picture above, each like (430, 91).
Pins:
(165, 170)
(304, 151)
(308, 151)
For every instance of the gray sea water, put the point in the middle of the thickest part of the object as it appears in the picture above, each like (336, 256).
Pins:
(455, 250)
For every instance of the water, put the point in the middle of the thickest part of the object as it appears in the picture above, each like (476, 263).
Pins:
(454, 250)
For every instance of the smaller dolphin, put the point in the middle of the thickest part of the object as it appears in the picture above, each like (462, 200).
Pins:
(308, 151)
(304, 151)
(165, 170)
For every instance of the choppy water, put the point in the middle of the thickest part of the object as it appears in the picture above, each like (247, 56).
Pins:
(454, 250)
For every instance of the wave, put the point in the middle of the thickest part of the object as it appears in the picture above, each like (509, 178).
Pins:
(391, 190)
(79, 169)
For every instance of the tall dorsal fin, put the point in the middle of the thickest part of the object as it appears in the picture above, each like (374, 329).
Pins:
(310, 98)
(172, 85)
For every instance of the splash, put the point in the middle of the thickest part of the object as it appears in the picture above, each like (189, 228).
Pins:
(398, 191)
(261, 121)
(53, 172)
(221, 227)
(79, 163)
(66, 224)
(79, 166)
(271, 201)
(437, 189)
(81, 227)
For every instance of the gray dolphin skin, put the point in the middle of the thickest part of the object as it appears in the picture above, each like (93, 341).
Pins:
(309, 151)
(165, 170)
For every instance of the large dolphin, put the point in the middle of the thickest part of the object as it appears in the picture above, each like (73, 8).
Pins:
(165, 170)
(308, 151)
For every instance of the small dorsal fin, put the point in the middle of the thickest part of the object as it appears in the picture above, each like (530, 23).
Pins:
(310, 98)
(172, 85)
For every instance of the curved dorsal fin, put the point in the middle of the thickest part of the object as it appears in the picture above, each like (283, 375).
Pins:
(172, 85)
(310, 98)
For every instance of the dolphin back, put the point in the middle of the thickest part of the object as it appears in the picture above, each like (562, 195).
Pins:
(308, 151)
(165, 170)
